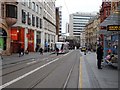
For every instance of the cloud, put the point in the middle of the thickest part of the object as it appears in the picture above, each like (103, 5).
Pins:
(73, 6)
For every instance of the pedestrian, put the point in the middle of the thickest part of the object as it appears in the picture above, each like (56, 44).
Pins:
(22, 50)
(37, 48)
(85, 51)
(99, 56)
(57, 51)
(19, 50)
(27, 51)
(41, 51)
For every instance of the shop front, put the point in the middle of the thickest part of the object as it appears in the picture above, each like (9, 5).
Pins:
(17, 39)
(38, 41)
(30, 36)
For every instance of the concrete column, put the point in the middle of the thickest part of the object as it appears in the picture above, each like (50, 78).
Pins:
(26, 38)
(47, 37)
(42, 39)
(55, 38)
(8, 51)
(35, 39)
(50, 39)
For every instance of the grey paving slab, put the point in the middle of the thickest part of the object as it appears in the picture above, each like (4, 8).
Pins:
(15, 58)
(97, 78)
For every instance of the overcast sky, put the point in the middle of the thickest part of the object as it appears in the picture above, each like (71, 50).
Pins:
(73, 6)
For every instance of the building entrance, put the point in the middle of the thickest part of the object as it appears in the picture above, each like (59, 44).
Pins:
(3, 38)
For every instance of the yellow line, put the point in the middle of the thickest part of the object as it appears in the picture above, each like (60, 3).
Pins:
(80, 77)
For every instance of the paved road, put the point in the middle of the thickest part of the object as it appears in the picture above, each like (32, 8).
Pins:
(48, 72)
(71, 70)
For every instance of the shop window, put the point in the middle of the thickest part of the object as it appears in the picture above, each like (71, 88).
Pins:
(3, 39)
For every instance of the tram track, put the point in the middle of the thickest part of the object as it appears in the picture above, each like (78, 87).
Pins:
(64, 86)
(69, 75)
(12, 64)
(44, 77)
(49, 72)
(26, 65)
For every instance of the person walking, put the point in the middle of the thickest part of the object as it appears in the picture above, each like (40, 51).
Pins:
(19, 50)
(57, 51)
(41, 51)
(99, 56)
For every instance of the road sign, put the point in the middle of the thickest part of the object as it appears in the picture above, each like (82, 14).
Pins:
(113, 28)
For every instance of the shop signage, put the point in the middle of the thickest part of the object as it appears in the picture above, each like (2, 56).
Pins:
(113, 28)
(14, 34)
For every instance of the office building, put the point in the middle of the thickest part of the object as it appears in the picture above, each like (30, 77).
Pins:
(77, 23)
(27, 25)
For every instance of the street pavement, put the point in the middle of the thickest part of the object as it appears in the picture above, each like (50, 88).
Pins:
(89, 75)
(15, 57)
(92, 77)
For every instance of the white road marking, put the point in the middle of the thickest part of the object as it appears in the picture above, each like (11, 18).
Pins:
(25, 75)
(66, 54)
(32, 62)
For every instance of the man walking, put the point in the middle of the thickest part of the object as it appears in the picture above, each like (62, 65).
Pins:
(57, 51)
(41, 51)
(99, 56)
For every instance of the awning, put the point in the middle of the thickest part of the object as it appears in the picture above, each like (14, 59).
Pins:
(113, 19)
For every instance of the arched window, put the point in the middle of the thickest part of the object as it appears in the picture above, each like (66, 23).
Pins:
(3, 39)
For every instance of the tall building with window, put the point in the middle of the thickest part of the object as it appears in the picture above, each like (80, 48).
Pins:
(28, 30)
(27, 25)
(77, 23)
(8, 17)
(60, 17)
(49, 24)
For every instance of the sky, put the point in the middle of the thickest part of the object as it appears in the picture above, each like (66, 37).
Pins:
(73, 6)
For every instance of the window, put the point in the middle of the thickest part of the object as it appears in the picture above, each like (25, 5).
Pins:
(37, 8)
(2, 10)
(23, 2)
(23, 17)
(29, 19)
(40, 23)
(11, 11)
(40, 10)
(36, 21)
(33, 20)
(30, 3)
(76, 33)
(33, 6)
